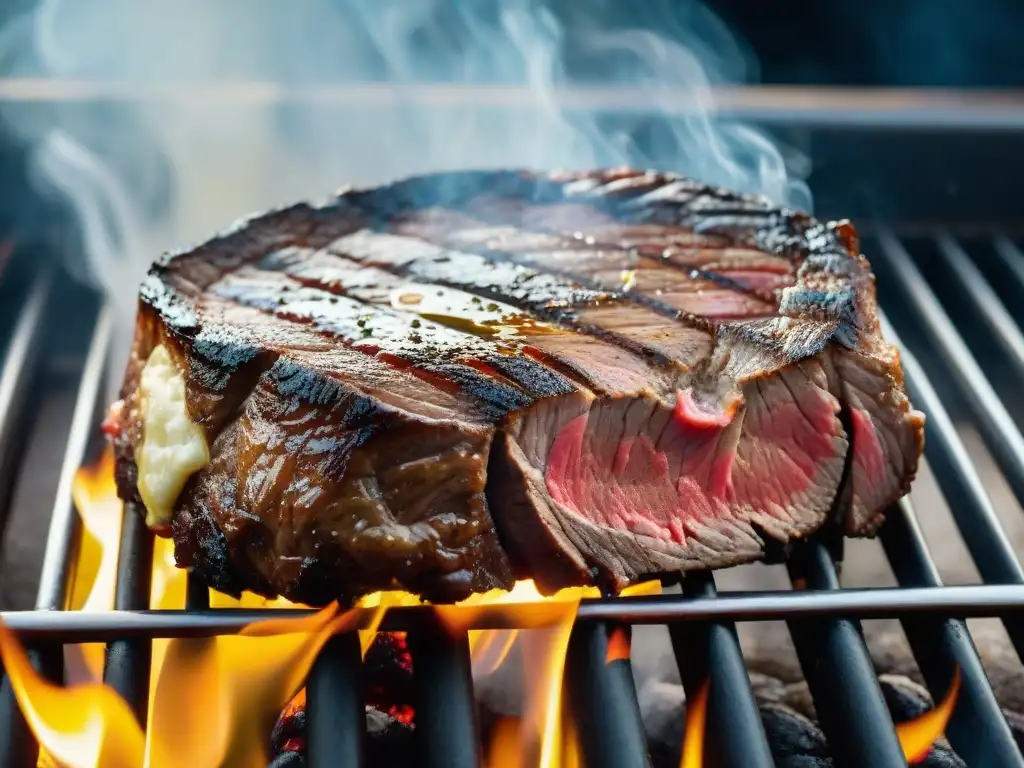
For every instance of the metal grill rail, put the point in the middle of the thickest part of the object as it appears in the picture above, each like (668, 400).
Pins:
(823, 619)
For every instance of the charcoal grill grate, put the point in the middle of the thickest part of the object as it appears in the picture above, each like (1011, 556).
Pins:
(823, 619)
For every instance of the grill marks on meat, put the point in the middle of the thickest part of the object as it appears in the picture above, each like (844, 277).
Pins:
(456, 381)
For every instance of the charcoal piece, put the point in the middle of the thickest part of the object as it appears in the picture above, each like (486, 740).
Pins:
(795, 740)
(767, 688)
(942, 757)
(388, 674)
(804, 761)
(288, 760)
(663, 711)
(289, 731)
(791, 734)
(388, 741)
(905, 698)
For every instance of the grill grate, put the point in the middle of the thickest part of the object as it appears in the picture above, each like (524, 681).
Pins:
(945, 376)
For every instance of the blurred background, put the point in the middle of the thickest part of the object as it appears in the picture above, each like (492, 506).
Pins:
(154, 124)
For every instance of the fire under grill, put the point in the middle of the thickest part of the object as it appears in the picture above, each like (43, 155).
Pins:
(956, 305)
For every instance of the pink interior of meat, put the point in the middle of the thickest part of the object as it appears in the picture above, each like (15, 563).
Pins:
(659, 475)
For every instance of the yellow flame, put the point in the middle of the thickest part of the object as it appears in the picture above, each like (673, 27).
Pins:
(572, 752)
(86, 726)
(223, 693)
(506, 745)
(696, 722)
(917, 736)
(544, 650)
(227, 682)
(504, 749)
(235, 688)
(237, 681)
(92, 588)
(381, 601)
(545, 736)
(538, 739)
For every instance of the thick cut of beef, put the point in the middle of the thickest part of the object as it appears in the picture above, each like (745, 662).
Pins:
(459, 380)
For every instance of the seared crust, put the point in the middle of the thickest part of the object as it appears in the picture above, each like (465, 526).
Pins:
(365, 437)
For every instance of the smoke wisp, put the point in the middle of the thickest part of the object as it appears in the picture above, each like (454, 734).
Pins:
(190, 148)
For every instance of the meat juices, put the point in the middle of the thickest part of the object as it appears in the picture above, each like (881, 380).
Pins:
(459, 380)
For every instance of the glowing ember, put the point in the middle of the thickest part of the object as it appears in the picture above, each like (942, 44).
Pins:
(693, 736)
(917, 736)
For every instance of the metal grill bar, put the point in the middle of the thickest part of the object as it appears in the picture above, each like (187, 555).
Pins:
(335, 714)
(710, 653)
(940, 645)
(16, 379)
(445, 734)
(197, 594)
(1011, 258)
(840, 674)
(62, 539)
(128, 659)
(603, 700)
(971, 601)
(970, 506)
(983, 301)
(17, 747)
(997, 428)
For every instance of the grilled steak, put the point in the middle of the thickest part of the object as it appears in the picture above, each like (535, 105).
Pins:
(458, 380)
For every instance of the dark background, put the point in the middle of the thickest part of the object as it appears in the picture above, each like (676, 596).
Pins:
(920, 43)
(900, 43)
(904, 43)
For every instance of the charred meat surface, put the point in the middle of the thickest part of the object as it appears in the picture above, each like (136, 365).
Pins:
(459, 380)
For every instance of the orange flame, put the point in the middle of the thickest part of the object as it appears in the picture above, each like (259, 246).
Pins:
(87, 726)
(223, 692)
(236, 686)
(543, 736)
(619, 643)
(234, 689)
(92, 586)
(696, 726)
(504, 749)
(917, 736)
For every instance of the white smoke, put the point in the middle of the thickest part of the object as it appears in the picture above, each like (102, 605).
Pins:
(184, 115)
